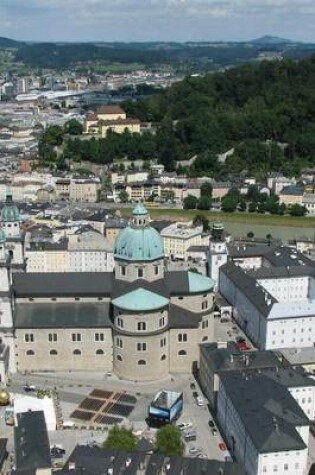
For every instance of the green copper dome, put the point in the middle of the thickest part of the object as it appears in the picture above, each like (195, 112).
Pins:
(2, 236)
(140, 300)
(10, 212)
(139, 241)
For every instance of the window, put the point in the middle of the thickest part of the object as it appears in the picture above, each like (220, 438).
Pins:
(286, 466)
(119, 343)
(77, 352)
(182, 337)
(76, 337)
(99, 337)
(119, 358)
(204, 338)
(141, 347)
(162, 342)
(205, 324)
(182, 353)
(77, 299)
(29, 337)
(123, 270)
(99, 298)
(204, 305)
(156, 270)
(140, 273)
(275, 468)
(53, 352)
(99, 352)
(120, 322)
(264, 469)
(53, 299)
(163, 357)
(52, 337)
(141, 326)
(30, 353)
(142, 362)
(161, 322)
(297, 465)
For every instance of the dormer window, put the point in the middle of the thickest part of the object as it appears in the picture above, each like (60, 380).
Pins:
(140, 273)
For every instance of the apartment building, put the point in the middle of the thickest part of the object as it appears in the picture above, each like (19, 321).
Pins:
(179, 237)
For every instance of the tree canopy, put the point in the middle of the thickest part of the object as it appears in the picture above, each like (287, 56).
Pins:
(169, 441)
(120, 438)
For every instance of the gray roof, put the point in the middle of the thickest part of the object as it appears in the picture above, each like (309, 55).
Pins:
(180, 317)
(230, 358)
(62, 284)
(198, 249)
(32, 450)
(264, 404)
(97, 461)
(62, 315)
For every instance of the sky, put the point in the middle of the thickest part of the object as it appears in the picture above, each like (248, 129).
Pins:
(156, 20)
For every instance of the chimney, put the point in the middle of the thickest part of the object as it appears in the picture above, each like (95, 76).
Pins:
(231, 358)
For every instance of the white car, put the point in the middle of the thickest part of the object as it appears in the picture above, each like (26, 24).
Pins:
(184, 425)
(195, 450)
(199, 401)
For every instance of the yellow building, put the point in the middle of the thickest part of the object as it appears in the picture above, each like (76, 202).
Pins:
(110, 118)
(178, 237)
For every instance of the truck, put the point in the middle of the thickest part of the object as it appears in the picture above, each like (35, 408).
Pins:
(166, 407)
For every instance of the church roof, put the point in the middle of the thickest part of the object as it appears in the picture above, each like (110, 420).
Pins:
(199, 283)
(10, 212)
(139, 244)
(140, 300)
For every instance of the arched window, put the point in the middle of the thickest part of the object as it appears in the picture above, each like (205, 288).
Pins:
(142, 362)
(182, 353)
(99, 352)
(30, 353)
(53, 352)
(163, 357)
(77, 352)
(119, 358)
(204, 338)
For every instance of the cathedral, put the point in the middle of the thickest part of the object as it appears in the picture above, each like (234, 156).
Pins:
(140, 322)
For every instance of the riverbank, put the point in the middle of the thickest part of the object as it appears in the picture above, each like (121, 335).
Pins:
(241, 218)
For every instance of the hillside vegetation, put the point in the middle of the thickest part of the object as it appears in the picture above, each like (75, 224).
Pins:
(265, 111)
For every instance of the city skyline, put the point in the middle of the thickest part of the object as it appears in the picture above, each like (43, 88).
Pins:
(156, 20)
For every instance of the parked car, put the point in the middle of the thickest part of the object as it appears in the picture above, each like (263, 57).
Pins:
(192, 386)
(199, 401)
(29, 388)
(195, 450)
(57, 452)
(240, 339)
(243, 346)
(214, 431)
(184, 425)
(190, 436)
(195, 394)
(211, 424)
(222, 446)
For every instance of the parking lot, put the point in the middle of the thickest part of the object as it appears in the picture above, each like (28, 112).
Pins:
(108, 400)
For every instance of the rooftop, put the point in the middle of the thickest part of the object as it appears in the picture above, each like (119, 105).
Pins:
(140, 300)
(263, 403)
(32, 450)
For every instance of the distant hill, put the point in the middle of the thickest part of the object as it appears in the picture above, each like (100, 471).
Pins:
(8, 43)
(270, 40)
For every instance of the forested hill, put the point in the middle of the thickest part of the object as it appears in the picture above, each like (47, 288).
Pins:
(253, 107)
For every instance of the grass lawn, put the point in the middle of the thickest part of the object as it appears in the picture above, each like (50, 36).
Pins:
(245, 218)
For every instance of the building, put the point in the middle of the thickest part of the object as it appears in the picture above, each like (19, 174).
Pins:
(291, 195)
(32, 450)
(217, 358)
(309, 203)
(179, 237)
(84, 190)
(140, 321)
(110, 117)
(264, 427)
(142, 461)
(277, 182)
(85, 250)
(217, 254)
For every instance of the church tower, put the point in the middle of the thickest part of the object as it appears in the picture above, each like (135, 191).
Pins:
(217, 254)
(11, 225)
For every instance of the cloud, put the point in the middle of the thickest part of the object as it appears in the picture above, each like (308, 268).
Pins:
(143, 19)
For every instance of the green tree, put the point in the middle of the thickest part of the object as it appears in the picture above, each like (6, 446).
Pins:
(201, 220)
(206, 189)
(229, 204)
(190, 202)
(204, 202)
(53, 135)
(252, 207)
(73, 127)
(253, 194)
(297, 210)
(242, 205)
(123, 196)
(261, 208)
(169, 441)
(120, 438)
